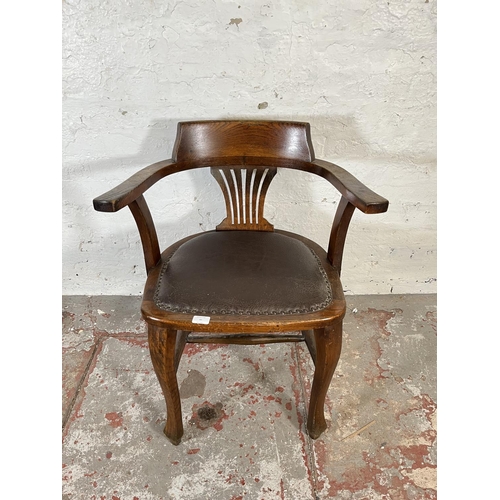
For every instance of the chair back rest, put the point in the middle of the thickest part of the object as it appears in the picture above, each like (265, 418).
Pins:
(218, 143)
(243, 156)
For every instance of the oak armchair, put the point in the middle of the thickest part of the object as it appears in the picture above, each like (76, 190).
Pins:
(244, 282)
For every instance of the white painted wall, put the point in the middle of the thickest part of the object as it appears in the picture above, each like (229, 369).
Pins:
(362, 72)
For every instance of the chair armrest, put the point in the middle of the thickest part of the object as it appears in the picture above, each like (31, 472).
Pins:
(129, 190)
(352, 189)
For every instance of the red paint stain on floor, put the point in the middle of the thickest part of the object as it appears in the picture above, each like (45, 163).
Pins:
(245, 388)
(321, 461)
(192, 348)
(254, 364)
(430, 316)
(300, 420)
(381, 318)
(133, 341)
(424, 403)
(376, 473)
(115, 419)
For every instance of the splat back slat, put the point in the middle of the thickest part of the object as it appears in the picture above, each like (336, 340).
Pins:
(244, 191)
(236, 173)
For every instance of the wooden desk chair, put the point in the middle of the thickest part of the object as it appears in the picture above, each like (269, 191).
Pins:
(243, 283)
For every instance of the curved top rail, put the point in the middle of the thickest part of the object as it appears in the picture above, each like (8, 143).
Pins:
(202, 141)
(238, 144)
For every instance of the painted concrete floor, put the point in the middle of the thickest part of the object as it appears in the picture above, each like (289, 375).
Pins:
(244, 410)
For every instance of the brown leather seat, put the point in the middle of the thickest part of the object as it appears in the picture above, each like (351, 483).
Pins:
(243, 272)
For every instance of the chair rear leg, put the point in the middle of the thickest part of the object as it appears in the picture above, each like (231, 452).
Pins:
(328, 344)
(162, 347)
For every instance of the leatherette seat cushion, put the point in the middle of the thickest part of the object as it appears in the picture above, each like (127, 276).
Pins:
(242, 272)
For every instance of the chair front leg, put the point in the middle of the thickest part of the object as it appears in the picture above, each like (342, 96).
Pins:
(162, 347)
(328, 344)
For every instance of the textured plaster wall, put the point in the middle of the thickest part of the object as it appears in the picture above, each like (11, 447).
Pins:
(362, 72)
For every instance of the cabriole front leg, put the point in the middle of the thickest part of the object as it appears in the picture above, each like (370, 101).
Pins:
(328, 344)
(162, 347)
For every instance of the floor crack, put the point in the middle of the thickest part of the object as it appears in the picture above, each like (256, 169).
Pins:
(309, 445)
(80, 385)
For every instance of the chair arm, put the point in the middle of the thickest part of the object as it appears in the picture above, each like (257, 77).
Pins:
(130, 193)
(352, 189)
(129, 190)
